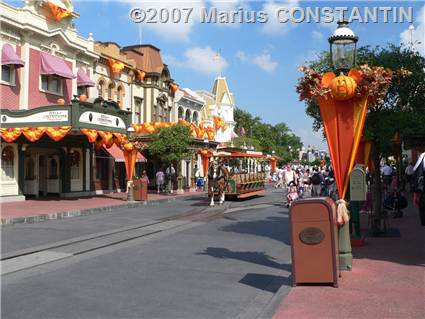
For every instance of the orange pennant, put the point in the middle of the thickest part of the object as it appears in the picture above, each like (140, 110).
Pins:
(58, 12)
(107, 138)
(10, 134)
(130, 162)
(91, 134)
(33, 134)
(58, 133)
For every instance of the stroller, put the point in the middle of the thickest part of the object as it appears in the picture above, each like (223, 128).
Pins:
(292, 194)
(395, 202)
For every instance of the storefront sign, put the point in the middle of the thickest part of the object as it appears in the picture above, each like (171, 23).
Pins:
(41, 117)
(358, 184)
(101, 119)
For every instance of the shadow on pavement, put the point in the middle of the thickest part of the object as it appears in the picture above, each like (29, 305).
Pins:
(259, 258)
(276, 228)
(268, 283)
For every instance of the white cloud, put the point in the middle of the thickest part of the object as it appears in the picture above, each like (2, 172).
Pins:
(172, 31)
(273, 26)
(204, 60)
(263, 61)
(418, 33)
(317, 36)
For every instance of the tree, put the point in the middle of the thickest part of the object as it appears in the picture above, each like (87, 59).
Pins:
(266, 137)
(171, 144)
(402, 110)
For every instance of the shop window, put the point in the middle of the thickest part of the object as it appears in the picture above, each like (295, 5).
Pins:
(30, 169)
(53, 169)
(75, 163)
(7, 164)
(8, 74)
(51, 84)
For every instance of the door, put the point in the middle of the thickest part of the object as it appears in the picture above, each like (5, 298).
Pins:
(42, 180)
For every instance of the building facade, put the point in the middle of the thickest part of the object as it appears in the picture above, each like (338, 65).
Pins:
(220, 102)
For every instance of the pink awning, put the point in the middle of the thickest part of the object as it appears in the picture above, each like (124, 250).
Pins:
(83, 79)
(52, 65)
(9, 56)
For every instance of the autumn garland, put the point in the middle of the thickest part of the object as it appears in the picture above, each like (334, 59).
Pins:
(374, 83)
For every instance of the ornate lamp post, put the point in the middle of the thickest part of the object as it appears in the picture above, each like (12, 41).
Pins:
(130, 185)
(343, 46)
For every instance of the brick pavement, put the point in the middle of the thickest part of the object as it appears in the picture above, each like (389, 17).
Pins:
(387, 281)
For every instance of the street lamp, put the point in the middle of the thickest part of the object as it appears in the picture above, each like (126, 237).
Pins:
(130, 188)
(343, 47)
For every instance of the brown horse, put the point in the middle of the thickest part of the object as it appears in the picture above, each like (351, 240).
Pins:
(218, 176)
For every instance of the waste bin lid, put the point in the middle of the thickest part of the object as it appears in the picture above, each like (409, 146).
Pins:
(313, 209)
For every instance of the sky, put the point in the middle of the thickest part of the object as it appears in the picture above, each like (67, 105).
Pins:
(259, 60)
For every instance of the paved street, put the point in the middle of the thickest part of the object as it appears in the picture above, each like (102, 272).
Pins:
(174, 260)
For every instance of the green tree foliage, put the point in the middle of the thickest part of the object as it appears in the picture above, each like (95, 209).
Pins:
(266, 137)
(171, 144)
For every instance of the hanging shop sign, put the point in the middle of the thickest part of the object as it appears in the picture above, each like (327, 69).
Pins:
(107, 120)
(54, 116)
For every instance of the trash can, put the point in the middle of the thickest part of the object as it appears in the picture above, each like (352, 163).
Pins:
(137, 189)
(314, 241)
(144, 189)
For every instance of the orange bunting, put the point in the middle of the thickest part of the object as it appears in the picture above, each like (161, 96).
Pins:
(58, 133)
(33, 134)
(10, 134)
(130, 157)
(91, 134)
(98, 145)
(115, 66)
(119, 139)
(107, 138)
(210, 133)
(58, 12)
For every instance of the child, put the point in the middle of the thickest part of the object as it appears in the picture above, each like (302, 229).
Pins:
(292, 194)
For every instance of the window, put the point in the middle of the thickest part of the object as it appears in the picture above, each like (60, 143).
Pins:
(8, 74)
(51, 84)
(53, 169)
(75, 161)
(7, 164)
(82, 90)
(100, 88)
(187, 116)
(181, 111)
(120, 95)
(195, 117)
(110, 91)
(137, 111)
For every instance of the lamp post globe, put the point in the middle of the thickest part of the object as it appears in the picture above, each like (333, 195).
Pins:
(343, 44)
(130, 132)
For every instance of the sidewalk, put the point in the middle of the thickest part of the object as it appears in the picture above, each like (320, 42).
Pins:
(387, 281)
(35, 210)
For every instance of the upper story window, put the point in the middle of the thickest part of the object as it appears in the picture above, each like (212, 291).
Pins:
(110, 91)
(101, 88)
(10, 61)
(120, 95)
(52, 84)
(8, 74)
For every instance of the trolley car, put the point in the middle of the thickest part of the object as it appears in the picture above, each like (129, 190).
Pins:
(247, 174)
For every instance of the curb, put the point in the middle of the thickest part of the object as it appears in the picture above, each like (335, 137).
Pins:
(88, 211)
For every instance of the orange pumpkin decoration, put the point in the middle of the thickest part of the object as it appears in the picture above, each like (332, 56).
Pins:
(342, 87)
(83, 98)
(128, 147)
(98, 144)
(61, 101)
(149, 128)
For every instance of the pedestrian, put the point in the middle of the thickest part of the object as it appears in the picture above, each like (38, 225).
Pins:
(409, 176)
(386, 172)
(197, 176)
(280, 183)
(145, 176)
(170, 175)
(160, 181)
(316, 183)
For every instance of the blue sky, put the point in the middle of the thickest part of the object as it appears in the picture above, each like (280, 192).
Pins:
(259, 60)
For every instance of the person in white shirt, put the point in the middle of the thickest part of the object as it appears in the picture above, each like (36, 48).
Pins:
(386, 172)
(289, 175)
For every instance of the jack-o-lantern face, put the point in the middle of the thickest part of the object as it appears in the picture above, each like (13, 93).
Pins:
(343, 87)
